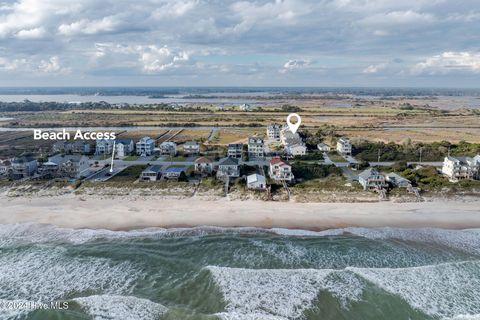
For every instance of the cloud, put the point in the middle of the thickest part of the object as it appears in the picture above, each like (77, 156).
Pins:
(53, 66)
(155, 59)
(12, 65)
(213, 39)
(90, 27)
(374, 68)
(449, 62)
(29, 34)
(397, 18)
(295, 64)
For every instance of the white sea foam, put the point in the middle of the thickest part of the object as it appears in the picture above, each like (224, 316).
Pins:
(466, 240)
(7, 311)
(121, 307)
(280, 293)
(446, 290)
(44, 274)
(247, 316)
(27, 233)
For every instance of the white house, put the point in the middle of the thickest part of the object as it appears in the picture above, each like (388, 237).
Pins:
(371, 179)
(460, 168)
(191, 147)
(279, 170)
(145, 146)
(23, 167)
(246, 107)
(103, 146)
(323, 147)
(152, 173)
(168, 148)
(296, 149)
(256, 182)
(344, 146)
(124, 147)
(273, 132)
(256, 148)
(235, 150)
(174, 173)
(203, 166)
(72, 166)
(228, 167)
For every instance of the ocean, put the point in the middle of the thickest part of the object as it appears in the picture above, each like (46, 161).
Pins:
(240, 273)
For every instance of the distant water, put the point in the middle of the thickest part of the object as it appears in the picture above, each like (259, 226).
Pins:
(119, 99)
(214, 273)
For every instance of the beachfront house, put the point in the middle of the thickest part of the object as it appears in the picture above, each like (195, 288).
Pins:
(168, 148)
(71, 166)
(5, 167)
(273, 132)
(191, 147)
(323, 147)
(174, 173)
(152, 173)
(203, 166)
(235, 150)
(103, 146)
(397, 180)
(256, 182)
(23, 167)
(461, 168)
(256, 148)
(279, 170)
(344, 146)
(298, 149)
(145, 147)
(124, 147)
(371, 179)
(228, 168)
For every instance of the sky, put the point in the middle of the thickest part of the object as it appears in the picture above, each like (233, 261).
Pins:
(407, 43)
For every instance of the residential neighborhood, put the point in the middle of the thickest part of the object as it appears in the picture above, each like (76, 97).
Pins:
(257, 162)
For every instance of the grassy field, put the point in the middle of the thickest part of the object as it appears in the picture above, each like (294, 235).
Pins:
(128, 175)
(335, 157)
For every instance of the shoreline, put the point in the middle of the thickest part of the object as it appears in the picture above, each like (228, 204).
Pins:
(117, 213)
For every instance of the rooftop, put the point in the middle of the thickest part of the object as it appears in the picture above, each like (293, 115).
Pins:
(228, 162)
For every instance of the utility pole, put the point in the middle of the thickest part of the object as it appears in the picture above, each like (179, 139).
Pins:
(421, 150)
(378, 159)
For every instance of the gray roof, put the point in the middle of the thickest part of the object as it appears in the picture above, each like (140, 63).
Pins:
(228, 162)
(155, 168)
(23, 159)
(64, 158)
(124, 141)
(368, 172)
(190, 143)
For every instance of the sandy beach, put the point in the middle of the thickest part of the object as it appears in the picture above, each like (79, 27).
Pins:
(123, 214)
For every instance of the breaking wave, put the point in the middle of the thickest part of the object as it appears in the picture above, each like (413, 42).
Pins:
(447, 291)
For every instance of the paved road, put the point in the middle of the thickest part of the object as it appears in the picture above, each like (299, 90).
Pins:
(390, 163)
(105, 174)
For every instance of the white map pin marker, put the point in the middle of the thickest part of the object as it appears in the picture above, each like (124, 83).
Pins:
(294, 126)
